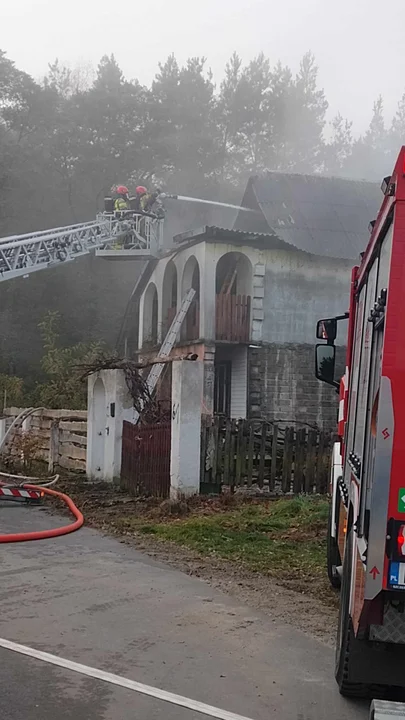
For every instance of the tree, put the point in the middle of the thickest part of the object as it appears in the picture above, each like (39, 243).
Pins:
(305, 120)
(63, 388)
(182, 133)
(339, 148)
(370, 155)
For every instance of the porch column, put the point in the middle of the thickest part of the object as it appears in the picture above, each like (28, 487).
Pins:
(187, 394)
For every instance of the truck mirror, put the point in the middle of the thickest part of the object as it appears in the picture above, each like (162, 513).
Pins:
(326, 329)
(325, 364)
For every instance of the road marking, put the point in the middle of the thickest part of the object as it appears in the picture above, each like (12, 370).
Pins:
(169, 697)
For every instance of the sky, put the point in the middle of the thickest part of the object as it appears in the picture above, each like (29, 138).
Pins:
(359, 45)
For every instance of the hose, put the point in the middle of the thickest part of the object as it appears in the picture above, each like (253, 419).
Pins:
(22, 416)
(54, 532)
(33, 480)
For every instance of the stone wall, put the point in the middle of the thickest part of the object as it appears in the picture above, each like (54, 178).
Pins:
(283, 386)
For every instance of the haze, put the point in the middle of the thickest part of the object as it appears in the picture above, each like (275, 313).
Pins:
(358, 44)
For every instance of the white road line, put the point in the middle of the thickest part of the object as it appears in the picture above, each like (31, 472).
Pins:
(122, 682)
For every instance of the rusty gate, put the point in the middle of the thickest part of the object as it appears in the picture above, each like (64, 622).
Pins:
(145, 463)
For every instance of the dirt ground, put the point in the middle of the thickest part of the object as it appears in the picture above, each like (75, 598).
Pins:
(104, 508)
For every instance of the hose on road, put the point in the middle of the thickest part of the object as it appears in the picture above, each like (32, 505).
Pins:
(54, 532)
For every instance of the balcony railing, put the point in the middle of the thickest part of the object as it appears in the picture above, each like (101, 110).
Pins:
(233, 318)
(127, 231)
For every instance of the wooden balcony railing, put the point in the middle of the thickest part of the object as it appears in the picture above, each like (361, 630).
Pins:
(233, 318)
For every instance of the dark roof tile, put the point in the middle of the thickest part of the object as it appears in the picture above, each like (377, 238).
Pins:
(320, 215)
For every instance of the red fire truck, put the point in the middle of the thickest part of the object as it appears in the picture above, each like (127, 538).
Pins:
(366, 536)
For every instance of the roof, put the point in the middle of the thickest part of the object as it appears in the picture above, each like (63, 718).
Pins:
(320, 215)
(212, 233)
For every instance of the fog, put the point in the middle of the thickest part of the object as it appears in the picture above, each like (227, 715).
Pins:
(358, 45)
(188, 127)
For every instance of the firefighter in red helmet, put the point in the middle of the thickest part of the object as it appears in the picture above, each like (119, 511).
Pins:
(121, 202)
(140, 192)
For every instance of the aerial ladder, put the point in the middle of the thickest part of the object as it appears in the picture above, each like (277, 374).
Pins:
(111, 235)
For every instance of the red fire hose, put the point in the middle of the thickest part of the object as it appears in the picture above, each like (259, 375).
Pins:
(55, 532)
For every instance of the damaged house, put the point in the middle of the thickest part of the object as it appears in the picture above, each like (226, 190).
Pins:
(259, 290)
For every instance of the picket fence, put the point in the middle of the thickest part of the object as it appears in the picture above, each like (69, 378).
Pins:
(255, 453)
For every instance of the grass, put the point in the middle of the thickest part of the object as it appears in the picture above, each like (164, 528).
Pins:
(283, 538)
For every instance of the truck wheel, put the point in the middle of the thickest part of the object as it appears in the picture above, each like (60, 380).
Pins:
(333, 560)
(345, 634)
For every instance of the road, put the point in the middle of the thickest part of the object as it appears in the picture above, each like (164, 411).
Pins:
(95, 601)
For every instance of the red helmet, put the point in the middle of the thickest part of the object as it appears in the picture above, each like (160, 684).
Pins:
(141, 190)
(122, 190)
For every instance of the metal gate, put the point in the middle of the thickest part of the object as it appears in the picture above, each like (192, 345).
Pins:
(145, 463)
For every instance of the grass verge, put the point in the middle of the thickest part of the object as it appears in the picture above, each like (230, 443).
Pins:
(284, 538)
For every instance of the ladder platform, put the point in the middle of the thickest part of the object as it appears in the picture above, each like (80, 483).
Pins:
(135, 254)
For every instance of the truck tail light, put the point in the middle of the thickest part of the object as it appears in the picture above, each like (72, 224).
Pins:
(401, 540)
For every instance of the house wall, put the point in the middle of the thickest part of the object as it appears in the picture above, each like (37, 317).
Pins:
(299, 289)
(283, 387)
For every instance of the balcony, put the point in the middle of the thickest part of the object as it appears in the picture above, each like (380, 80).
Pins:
(232, 318)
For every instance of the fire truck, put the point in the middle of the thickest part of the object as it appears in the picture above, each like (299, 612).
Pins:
(366, 532)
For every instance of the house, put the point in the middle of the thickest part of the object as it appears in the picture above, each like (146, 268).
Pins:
(260, 288)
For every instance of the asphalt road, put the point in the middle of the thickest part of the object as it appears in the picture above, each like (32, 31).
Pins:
(96, 601)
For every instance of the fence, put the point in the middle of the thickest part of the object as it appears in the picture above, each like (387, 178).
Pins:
(243, 453)
(62, 436)
(145, 464)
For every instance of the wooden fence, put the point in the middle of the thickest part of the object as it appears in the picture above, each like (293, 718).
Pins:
(232, 317)
(246, 453)
(62, 436)
(145, 466)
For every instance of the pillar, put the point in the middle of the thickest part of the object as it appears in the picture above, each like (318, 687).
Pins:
(187, 393)
(208, 295)
(109, 404)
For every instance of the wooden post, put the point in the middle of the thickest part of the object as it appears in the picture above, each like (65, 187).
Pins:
(239, 451)
(299, 460)
(251, 452)
(203, 450)
(53, 446)
(262, 454)
(227, 452)
(214, 436)
(287, 459)
(310, 461)
(320, 463)
(273, 467)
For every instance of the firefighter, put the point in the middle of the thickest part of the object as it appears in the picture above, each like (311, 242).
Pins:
(151, 204)
(121, 202)
(140, 192)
